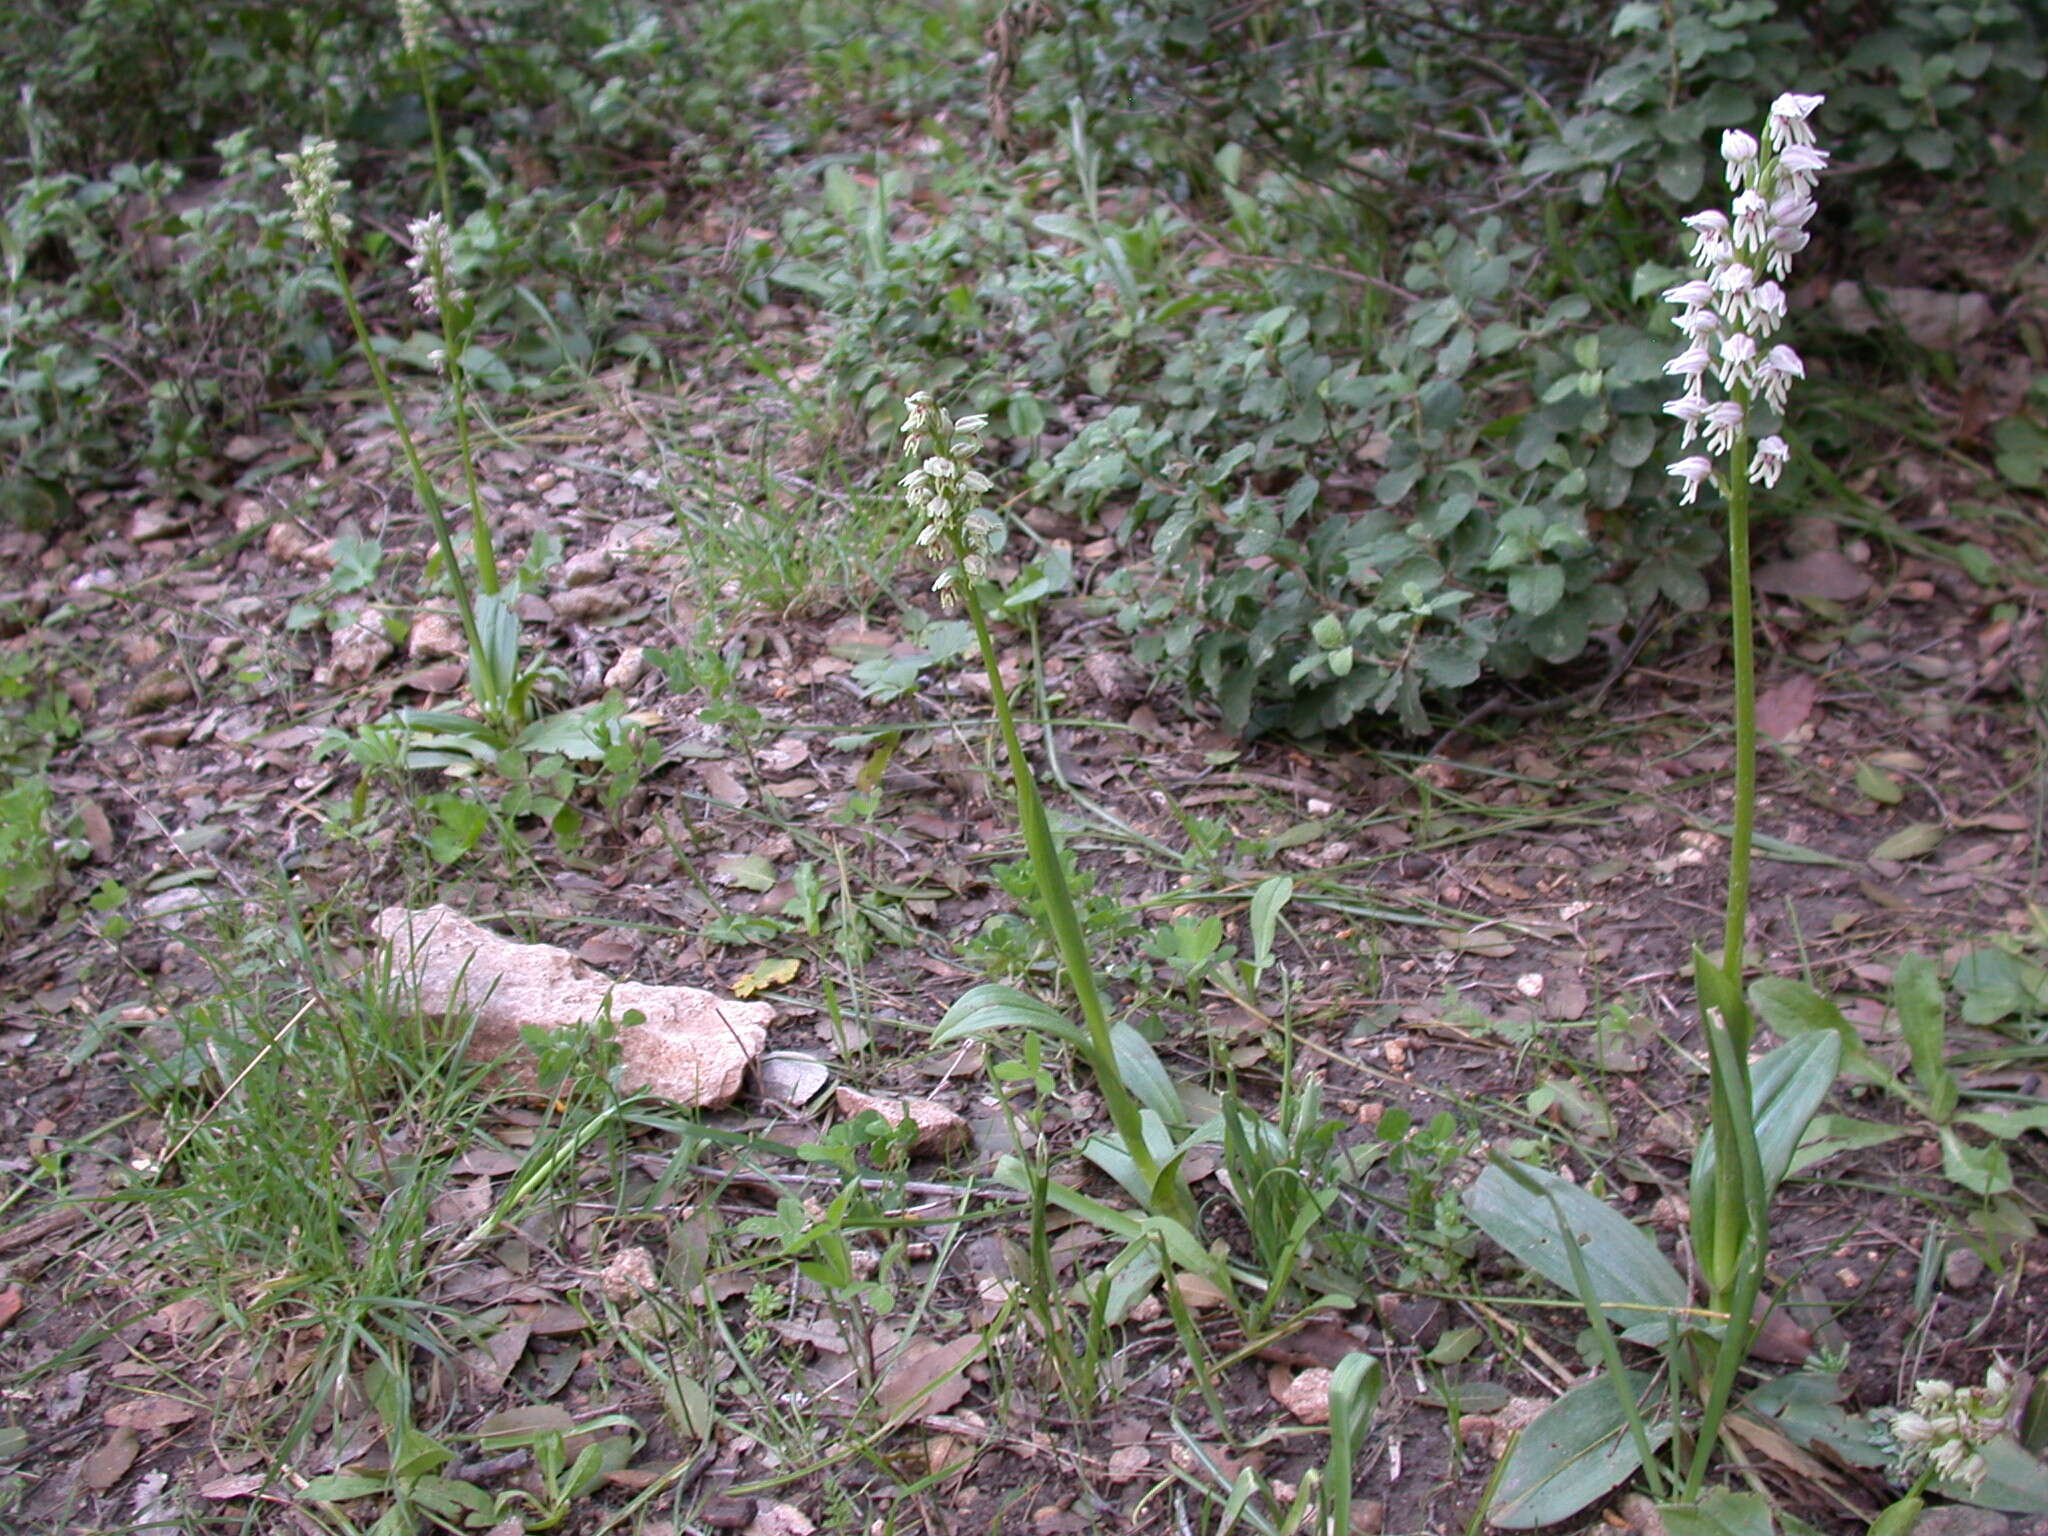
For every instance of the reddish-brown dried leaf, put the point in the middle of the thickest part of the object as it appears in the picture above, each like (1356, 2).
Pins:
(109, 1462)
(1782, 708)
(928, 1378)
(150, 1413)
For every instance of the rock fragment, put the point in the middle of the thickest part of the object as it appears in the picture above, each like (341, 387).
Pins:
(692, 1047)
(939, 1130)
(357, 651)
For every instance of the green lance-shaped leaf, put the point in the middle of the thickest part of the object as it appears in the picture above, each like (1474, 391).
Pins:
(1786, 1088)
(1792, 1008)
(1138, 1067)
(1720, 1512)
(1634, 1284)
(993, 1009)
(1577, 1451)
(1923, 1019)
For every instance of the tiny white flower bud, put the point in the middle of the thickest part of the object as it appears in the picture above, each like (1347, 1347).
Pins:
(1738, 353)
(1691, 293)
(1691, 363)
(1786, 242)
(1688, 409)
(1912, 1429)
(1792, 208)
(1710, 231)
(1802, 162)
(1698, 322)
(1772, 454)
(1735, 277)
(1695, 471)
(1776, 372)
(1766, 308)
(1750, 222)
(1739, 150)
(1787, 122)
(315, 186)
(1724, 418)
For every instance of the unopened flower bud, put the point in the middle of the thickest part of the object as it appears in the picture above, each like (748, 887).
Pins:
(431, 264)
(415, 25)
(315, 186)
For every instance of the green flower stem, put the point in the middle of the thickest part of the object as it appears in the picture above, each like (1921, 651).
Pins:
(494, 708)
(480, 528)
(1752, 1233)
(1043, 847)
(1742, 1206)
(1743, 652)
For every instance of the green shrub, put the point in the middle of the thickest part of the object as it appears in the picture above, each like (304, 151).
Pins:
(150, 297)
(1406, 433)
(137, 312)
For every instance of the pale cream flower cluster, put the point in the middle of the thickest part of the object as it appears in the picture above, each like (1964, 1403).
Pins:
(1945, 1425)
(415, 24)
(1730, 311)
(316, 186)
(431, 262)
(944, 488)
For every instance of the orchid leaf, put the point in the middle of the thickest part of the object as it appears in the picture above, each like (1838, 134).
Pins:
(1577, 1451)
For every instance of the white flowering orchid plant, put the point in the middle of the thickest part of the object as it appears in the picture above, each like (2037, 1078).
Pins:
(502, 691)
(1736, 379)
(504, 688)
(944, 489)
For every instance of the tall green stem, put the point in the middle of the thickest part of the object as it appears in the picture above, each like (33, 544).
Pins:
(480, 528)
(423, 487)
(1742, 1206)
(1743, 651)
(1068, 938)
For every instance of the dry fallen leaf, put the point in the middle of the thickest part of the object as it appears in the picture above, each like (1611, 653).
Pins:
(150, 1413)
(1765, 1440)
(780, 1520)
(927, 1378)
(1823, 573)
(1782, 708)
(951, 1454)
(1495, 1432)
(109, 1463)
(1324, 1344)
(768, 973)
(1128, 1462)
(1781, 1340)
(1914, 841)
(237, 1485)
(722, 786)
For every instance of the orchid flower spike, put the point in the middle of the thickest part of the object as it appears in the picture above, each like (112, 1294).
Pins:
(315, 185)
(945, 489)
(1735, 303)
